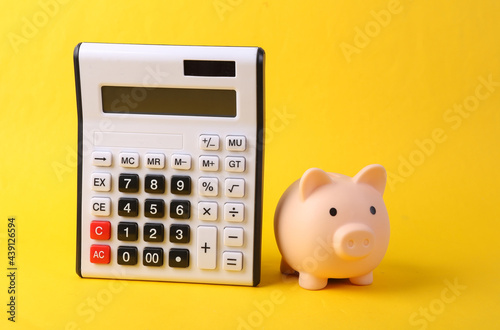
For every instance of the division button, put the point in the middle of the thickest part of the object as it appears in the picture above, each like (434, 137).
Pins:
(101, 158)
(234, 212)
(232, 261)
(128, 231)
(153, 232)
(101, 206)
(129, 159)
(206, 243)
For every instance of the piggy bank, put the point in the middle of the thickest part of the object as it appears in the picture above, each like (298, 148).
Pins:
(329, 225)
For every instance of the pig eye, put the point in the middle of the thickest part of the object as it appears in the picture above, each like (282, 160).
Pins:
(372, 210)
(333, 211)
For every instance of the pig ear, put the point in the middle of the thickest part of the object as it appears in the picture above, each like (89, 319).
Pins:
(312, 179)
(374, 175)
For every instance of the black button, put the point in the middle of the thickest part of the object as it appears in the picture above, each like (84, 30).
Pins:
(180, 234)
(153, 232)
(127, 231)
(154, 184)
(127, 255)
(128, 207)
(180, 209)
(178, 258)
(128, 182)
(154, 208)
(152, 257)
(180, 185)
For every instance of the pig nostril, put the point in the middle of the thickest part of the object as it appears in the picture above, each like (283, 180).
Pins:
(366, 242)
(350, 243)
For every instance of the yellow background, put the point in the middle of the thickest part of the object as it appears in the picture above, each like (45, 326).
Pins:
(348, 83)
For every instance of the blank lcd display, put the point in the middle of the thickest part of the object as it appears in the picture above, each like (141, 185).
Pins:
(169, 101)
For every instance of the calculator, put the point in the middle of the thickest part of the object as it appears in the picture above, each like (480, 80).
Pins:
(170, 162)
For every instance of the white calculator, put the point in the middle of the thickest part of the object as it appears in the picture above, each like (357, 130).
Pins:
(170, 146)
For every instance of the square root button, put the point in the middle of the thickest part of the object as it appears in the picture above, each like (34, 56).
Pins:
(235, 187)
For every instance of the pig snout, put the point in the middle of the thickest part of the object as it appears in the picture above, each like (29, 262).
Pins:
(353, 241)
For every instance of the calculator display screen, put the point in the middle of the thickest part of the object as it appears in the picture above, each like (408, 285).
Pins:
(169, 101)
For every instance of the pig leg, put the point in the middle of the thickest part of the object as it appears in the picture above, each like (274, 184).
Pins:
(285, 268)
(311, 282)
(362, 280)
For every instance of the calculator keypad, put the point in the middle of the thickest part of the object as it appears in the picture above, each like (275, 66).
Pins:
(155, 212)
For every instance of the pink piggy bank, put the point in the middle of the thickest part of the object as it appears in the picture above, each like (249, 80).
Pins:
(329, 225)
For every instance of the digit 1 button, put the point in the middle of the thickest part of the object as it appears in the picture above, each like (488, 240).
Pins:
(180, 209)
(152, 257)
(128, 182)
(178, 258)
(180, 234)
(154, 208)
(154, 184)
(127, 255)
(128, 231)
(128, 207)
(180, 185)
(153, 232)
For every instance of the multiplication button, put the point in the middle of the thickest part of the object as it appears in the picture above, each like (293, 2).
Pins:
(207, 211)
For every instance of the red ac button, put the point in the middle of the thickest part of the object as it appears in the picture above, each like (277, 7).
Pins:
(100, 254)
(100, 230)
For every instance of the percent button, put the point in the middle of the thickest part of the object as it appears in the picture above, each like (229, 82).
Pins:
(208, 186)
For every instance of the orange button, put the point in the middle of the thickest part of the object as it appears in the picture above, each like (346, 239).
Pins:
(100, 254)
(100, 230)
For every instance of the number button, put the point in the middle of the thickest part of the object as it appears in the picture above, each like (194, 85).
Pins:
(128, 207)
(154, 208)
(180, 185)
(152, 257)
(180, 234)
(178, 258)
(127, 255)
(153, 232)
(128, 183)
(155, 184)
(180, 209)
(128, 231)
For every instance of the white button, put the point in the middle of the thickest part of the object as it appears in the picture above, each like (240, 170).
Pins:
(209, 163)
(180, 162)
(206, 242)
(207, 211)
(101, 158)
(236, 143)
(232, 261)
(208, 186)
(235, 164)
(235, 188)
(129, 159)
(101, 181)
(209, 142)
(234, 212)
(155, 160)
(233, 236)
(100, 206)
